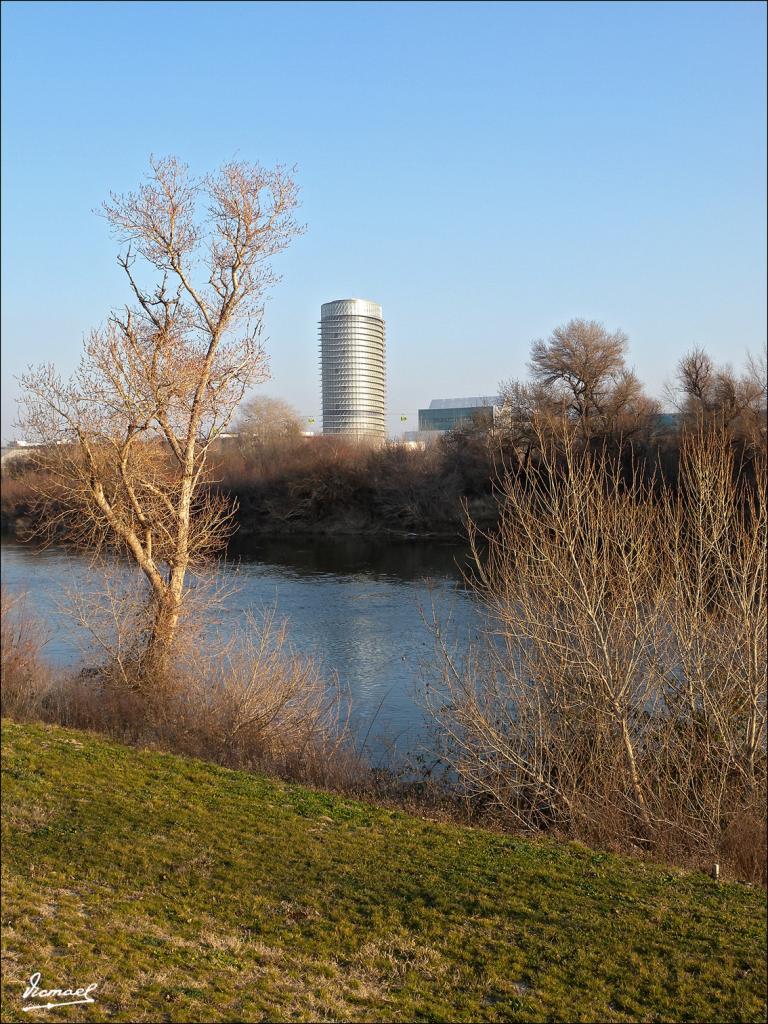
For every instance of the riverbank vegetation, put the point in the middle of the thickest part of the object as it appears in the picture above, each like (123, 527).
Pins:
(617, 694)
(186, 891)
(277, 481)
(246, 701)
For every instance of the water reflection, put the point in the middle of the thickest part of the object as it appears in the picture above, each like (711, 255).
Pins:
(375, 557)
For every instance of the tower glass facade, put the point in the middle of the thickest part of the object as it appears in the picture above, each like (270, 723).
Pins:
(352, 368)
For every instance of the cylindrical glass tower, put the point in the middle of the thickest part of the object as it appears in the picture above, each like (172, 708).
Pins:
(352, 368)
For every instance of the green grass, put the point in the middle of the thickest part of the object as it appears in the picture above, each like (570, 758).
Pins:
(194, 893)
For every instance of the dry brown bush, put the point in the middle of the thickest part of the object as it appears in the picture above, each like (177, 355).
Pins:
(620, 692)
(244, 699)
(25, 677)
(22, 486)
(336, 485)
(258, 704)
(249, 701)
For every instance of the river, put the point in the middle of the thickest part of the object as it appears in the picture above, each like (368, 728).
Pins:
(358, 605)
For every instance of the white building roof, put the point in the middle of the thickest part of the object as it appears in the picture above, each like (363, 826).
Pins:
(476, 402)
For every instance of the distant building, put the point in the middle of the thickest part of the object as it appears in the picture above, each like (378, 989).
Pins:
(668, 421)
(419, 438)
(449, 413)
(352, 369)
(16, 450)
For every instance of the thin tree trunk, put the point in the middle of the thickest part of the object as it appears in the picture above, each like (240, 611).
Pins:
(637, 788)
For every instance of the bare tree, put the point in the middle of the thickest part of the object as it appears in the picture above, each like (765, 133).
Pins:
(263, 420)
(127, 438)
(530, 412)
(707, 394)
(695, 376)
(580, 371)
(519, 414)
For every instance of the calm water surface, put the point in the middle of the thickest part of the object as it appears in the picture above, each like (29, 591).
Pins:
(357, 604)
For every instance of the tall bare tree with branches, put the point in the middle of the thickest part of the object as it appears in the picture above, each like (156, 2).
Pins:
(126, 439)
(580, 372)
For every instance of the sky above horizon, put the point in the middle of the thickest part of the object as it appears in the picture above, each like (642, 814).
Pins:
(484, 171)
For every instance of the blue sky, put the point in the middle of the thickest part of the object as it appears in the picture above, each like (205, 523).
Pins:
(486, 172)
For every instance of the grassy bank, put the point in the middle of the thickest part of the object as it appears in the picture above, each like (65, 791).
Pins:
(193, 893)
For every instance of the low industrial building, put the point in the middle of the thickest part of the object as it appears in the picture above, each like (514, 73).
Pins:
(446, 414)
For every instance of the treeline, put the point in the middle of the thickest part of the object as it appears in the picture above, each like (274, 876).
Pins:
(335, 485)
(580, 388)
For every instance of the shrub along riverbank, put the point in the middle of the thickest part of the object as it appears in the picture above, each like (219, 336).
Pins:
(328, 486)
(189, 892)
